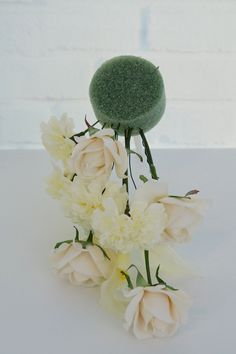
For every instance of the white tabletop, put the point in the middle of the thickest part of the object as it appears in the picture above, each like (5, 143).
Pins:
(42, 314)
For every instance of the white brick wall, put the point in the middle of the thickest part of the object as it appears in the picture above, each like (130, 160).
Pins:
(49, 50)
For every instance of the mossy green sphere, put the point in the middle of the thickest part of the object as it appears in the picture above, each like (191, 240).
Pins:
(128, 92)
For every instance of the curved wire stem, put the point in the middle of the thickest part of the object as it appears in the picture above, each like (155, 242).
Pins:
(148, 155)
(125, 180)
(130, 170)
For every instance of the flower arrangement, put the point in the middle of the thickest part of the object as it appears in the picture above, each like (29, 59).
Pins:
(123, 241)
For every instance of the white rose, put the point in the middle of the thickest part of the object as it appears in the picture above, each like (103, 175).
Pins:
(87, 267)
(94, 157)
(184, 215)
(155, 311)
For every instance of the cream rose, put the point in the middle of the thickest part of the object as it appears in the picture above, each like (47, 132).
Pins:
(87, 267)
(94, 157)
(155, 311)
(183, 214)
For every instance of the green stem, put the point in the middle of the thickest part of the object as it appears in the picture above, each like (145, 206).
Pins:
(125, 180)
(130, 170)
(149, 156)
(146, 256)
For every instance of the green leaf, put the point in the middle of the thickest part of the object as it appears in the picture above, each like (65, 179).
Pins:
(143, 178)
(76, 234)
(179, 196)
(129, 151)
(90, 237)
(60, 243)
(157, 272)
(162, 282)
(92, 130)
(103, 251)
(129, 282)
(171, 287)
(84, 244)
(192, 192)
(140, 280)
(83, 132)
(73, 177)
(186, 196)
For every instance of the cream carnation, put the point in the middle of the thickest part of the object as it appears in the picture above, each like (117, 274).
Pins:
(81, 200)
(93, 157)
(81, 266)
(57, 183)
(155, 311)
(123, 233)
(55, 137)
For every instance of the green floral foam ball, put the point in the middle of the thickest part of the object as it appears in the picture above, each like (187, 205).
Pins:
(128, 92)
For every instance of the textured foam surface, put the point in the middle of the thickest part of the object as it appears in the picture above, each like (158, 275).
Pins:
(128, 92)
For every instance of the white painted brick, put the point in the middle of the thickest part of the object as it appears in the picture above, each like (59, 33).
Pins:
(192, 26)
(46, 27)
(198, 77)
(109, 27)
(184, 124)
(45, 78)
(187, 77)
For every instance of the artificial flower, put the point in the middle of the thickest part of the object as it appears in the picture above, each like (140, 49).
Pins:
(112, 289)
(151, 192)
(81, 266)
(56, 137)
(57, 183)
(155, 311)
(94, 156)
(123, 233)
(183, 213)
(173, 265)
(81, 200)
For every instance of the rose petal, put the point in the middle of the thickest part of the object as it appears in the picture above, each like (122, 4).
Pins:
(132, 308)
(69, 252)
(151, 192)
(85, 265)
